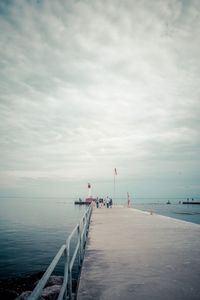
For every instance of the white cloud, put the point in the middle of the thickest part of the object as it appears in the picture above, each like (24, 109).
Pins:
(89, 86)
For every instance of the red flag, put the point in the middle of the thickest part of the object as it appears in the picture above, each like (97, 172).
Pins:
(115, 171)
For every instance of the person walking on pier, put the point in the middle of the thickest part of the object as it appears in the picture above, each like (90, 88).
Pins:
(93, 204)
(100, 202)
(129, 200)
(107, 202)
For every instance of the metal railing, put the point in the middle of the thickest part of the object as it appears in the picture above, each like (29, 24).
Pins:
(81, 230)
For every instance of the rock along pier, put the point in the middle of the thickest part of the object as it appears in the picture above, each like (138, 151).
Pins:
(131, 254)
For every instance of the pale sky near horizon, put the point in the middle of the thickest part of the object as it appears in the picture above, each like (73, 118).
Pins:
(87, 86)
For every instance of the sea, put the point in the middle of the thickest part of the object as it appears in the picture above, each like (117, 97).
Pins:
(33, 229)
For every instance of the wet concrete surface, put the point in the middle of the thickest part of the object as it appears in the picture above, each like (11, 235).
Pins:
(135, 255)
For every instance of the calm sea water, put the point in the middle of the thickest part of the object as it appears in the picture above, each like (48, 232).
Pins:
(32, 230)
(189, 213)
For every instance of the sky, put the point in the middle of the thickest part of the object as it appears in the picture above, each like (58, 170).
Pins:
(89, 86)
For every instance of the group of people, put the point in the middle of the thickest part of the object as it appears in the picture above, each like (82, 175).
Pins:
(100, 202)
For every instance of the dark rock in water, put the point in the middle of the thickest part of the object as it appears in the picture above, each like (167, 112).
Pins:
(13, 287)
(24, 296)
(20, 288)
(51, 292)
(55, 280)
(7, 294)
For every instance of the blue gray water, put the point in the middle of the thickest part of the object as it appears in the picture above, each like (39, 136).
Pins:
(189, 213)
(32, 230)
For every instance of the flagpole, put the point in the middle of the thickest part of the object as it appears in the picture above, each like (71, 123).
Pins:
(114, 188)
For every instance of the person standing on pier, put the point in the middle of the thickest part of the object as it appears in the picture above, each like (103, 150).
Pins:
(128, 199)
(100, 202)
(107, 201)
(93, 204)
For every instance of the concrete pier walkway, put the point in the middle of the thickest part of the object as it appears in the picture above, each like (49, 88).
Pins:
(134, 255)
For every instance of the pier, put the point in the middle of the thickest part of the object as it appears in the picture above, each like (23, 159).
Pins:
(191, 202)
(138, 255)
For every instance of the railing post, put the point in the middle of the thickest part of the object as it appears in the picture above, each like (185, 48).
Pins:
(87, 225)
(83, 240)
(85, 229)
(80, 247)
(66, 271)
(69, 272)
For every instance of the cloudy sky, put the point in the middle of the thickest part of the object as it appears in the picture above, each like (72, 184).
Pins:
(87, 86)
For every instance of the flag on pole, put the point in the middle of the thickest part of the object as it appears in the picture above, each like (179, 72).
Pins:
(115, 170)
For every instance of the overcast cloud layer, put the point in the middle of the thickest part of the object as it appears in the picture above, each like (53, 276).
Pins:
(87, 86)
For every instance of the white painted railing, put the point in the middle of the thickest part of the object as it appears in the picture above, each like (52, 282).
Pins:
(81, 230)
